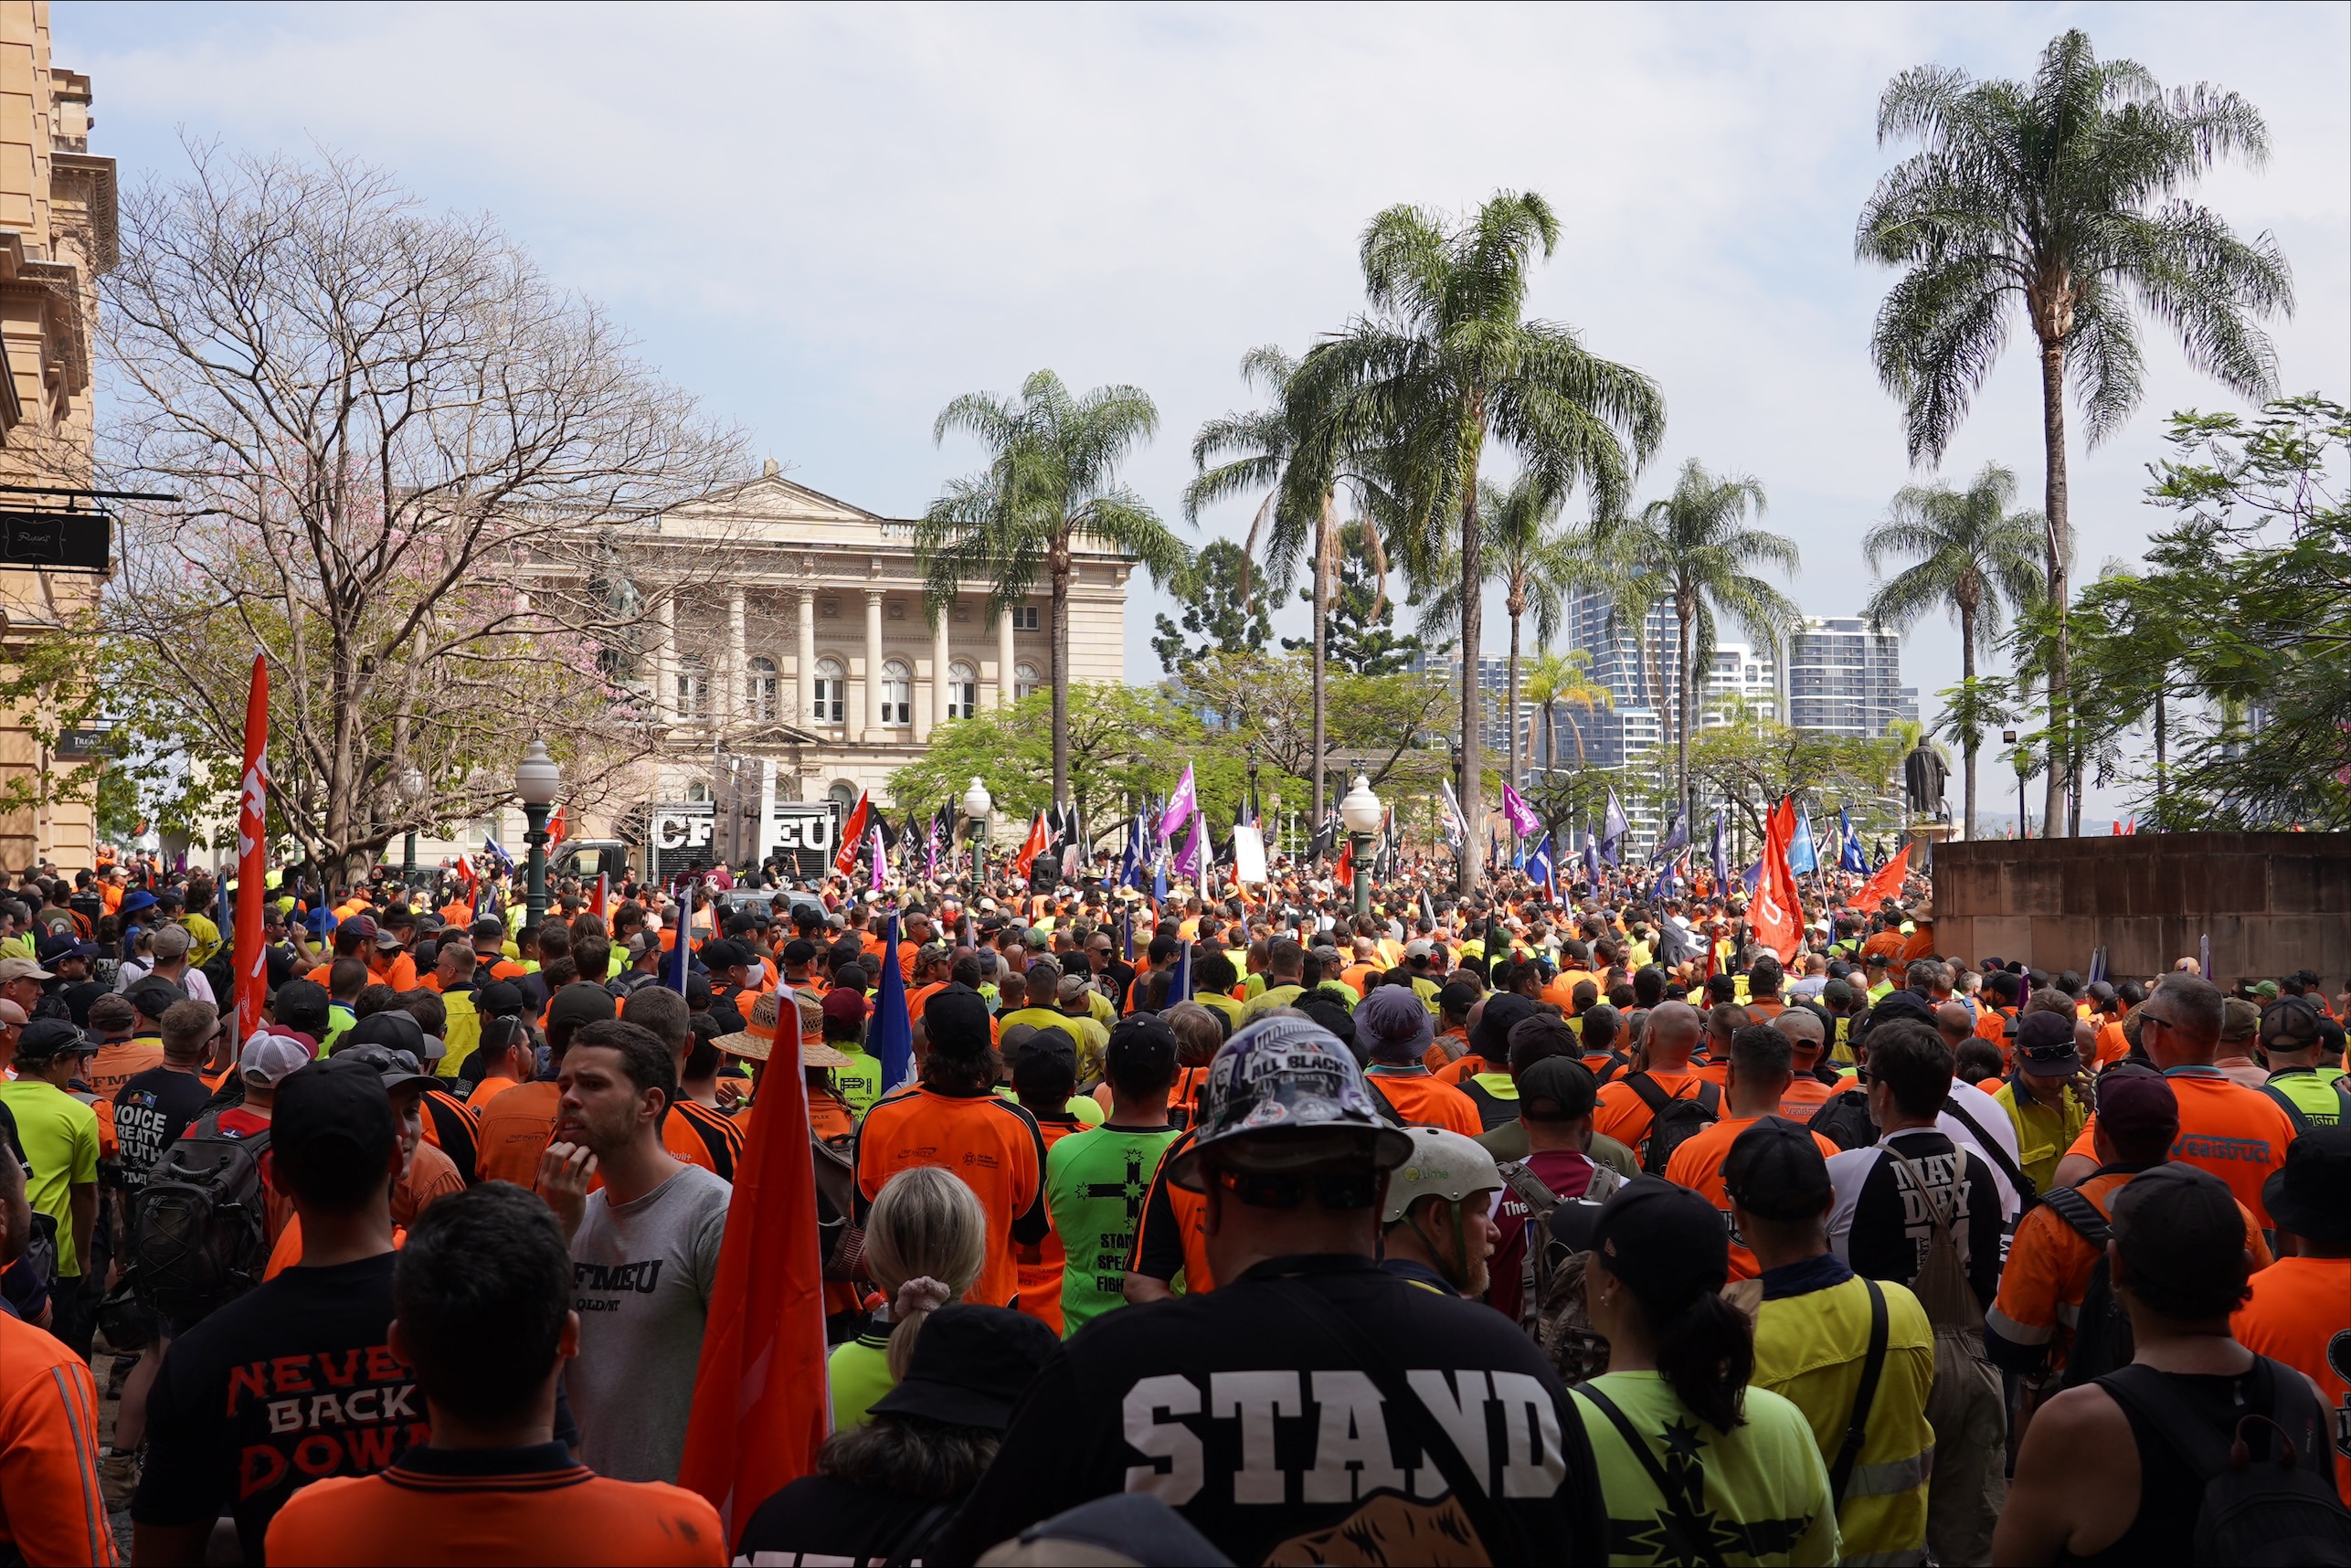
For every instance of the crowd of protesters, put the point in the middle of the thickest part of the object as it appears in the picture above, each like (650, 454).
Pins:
(1227, 1225)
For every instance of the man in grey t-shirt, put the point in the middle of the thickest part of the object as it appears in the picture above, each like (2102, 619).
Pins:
(644, 1251)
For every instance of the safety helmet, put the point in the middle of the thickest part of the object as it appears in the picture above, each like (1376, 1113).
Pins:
(1442, 1164)
(1285, 1093)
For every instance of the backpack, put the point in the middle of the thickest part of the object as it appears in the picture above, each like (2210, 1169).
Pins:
(1963, 1381)
(1843, 1118)
(197, 1233)
(1551, 1277)
(2277, 1510)
(2101, 1330)
(1673, 1119)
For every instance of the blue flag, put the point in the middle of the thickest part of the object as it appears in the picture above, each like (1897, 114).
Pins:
(1802, 856)
(892, 1037)
(1721, 859)
(1591, 856)
(1754, 875)
(1130, 869)
(1666, 885)
(1677, 837)
(1126, 928)
(1539, 862)
(1853, 859)
(679, 958)
(1180, 982)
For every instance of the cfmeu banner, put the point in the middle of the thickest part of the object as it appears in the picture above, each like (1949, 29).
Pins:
(252, 837)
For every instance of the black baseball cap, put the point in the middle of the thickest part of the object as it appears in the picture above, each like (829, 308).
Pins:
(499, 999)
(970, 1366)
(154, 998)
(488, 925)
(1141, 1043)
(44, 1040)
(2311, 1194)
(581, 1002)
(330, 1110)
(956, 1020)
(1491, 1038)
(1776, 1171)
(1666, 1242)
(1556, 1089)
(2045, 1046)
(2179, 1225)
(2290, 1023)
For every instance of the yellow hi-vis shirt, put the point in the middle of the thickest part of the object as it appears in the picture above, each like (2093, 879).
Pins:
(1808, 1350)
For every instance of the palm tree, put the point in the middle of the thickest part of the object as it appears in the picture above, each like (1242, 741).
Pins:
(1445, 361)
(1975, 556)
(1535, 564)
(1051, 480)
(1697, 559)
(1564, 679)
(2059, 195)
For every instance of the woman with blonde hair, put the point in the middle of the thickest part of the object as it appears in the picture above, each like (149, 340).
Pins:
(925, 1240)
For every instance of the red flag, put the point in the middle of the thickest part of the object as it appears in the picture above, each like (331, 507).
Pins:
(1032, 846)
(1887, 884)
(852, 837)
(556, 827)
(602, 897)
(252, 855)
(760, 1405)
(1344, 875)
(1776, 916)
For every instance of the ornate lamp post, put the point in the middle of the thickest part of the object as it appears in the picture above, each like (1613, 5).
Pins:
(977, 804)
(412, 789)
(536, 779)
(1360, 811)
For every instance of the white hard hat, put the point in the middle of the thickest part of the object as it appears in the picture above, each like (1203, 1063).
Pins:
(1442, 1164)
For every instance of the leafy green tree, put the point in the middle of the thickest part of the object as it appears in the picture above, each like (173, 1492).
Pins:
(1974, 557)
(1565, 681)
(1224, 610)
(1697, 558)
(1358, 631)
(1447, 361)
(1752, 764)
(1052, 479)
(2059, 196)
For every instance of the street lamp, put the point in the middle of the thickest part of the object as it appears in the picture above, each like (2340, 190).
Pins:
(1360, 811)
(536, 778)
(2016, 756)
(977, 804)
(412, 789)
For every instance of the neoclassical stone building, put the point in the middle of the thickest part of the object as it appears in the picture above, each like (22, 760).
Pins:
(805, 640)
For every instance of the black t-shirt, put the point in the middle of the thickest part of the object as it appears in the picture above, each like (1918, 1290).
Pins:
(1241, 1410)
(825, 1520)
(150, 1113)
(1889, 1230)
(286, 1384)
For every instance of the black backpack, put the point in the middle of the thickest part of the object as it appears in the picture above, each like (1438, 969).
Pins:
(198, 1233)
(2101, 1330)
(1673, 1120)
(1844, 1119)
(2274, 1511)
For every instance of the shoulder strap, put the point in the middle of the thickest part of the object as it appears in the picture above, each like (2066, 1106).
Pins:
(1857, 1427)
(1604, 1180)
(2294, 1113)
(1653, 1094)
(1531, 1190)
(1632, 1440)
(1944, 1225)
(2149, 1393)
(2026, 1191)
(2081, 1213)
(1493, 1524)
(1710, 1095)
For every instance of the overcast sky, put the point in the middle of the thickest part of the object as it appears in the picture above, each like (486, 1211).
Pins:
(826, 223)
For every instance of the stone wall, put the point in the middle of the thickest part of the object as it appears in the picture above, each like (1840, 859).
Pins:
(2270, 903)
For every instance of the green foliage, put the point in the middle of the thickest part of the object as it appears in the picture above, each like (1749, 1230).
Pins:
(1753, 763)
(1359, 636)
(1225, 609)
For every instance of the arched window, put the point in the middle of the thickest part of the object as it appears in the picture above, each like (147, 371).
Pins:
(898, 693)
(1024, 681)
(962, 691)
(830, 692)
(842, 793)
(697, 792)
(761, 686)
(693, 686)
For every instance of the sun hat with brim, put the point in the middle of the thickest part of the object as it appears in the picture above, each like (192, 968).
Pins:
(757, 1039)
(970, 1367)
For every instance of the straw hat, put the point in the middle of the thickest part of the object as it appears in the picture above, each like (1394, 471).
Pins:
(757, 1038)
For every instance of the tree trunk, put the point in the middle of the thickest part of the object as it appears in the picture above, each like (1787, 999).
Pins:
(2054, 507)
(1472, 614)
(1967, 684)
(1322, 541)
(1685, 676)
(1058, 651)
(1511, 701)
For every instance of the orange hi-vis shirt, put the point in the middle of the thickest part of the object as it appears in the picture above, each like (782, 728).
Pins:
(50, 1510)
(495, 1506)
(515, 1128)
(2112, 1044)
(1171, 1233)
(1422, 1101)
(2049, 1265)
(2299, 1313)
(1698, 1165)
(1467, 1067)
(1803, 1097)
(1622, 1114)
(698, 1135)
(488, 1089)
(990, 1142)
(2237, 1134)
(1998, 1024)
(1560, 991)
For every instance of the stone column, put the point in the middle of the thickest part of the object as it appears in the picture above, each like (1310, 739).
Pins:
(872, 664)
(1004, 684)
(665, 684)
(939, 687)
(732, 685)
(805, 676)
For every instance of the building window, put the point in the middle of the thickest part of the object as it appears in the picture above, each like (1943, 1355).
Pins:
(697, 793)
(1024, 618)
(1024, 681)
(693, 686)
(962, 691)
(843, 794)
(761, 688)
(830, 692)
(898, 693)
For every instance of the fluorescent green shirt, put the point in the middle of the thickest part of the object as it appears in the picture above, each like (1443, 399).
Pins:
(860, 1083)
(59, 1135)
(859, 1373)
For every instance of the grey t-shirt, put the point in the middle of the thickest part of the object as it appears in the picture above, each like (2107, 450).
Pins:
(642, 1273)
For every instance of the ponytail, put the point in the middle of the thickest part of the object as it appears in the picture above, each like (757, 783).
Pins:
(1707, 1351)
(926, 1242)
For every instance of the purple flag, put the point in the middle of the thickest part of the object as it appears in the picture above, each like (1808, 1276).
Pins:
(1183, 803)
(880, 855)
(1187, 860)
(1523, 821)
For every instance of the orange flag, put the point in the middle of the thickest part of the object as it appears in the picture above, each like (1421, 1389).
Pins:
(1776, 916)
(760, 1403)
(1032, 846)
(1887, 884)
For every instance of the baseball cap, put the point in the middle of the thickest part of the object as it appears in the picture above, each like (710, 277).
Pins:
(1392, 1021)
(387, 941)
(334, 1109)
(961, 1029)
(44, 1040)
(56, 948)
(499, 999)
(1775, 1170)
(22, 969)
(1140, 1041)
(2137, 1108)
(1419, 948)
(581, 1002)
(359, 926)
(970, 1367)
(2240, 1020)
(1556, 1089)
(272, 1057)
(2178, 1225)
(2291, 1024)
(1491, 1038)
(487, 926)
(2311, 1194)
(1666, 1242)
(724, 955)
(846, 1004)
(1274, 1084)
(2045, 1046)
